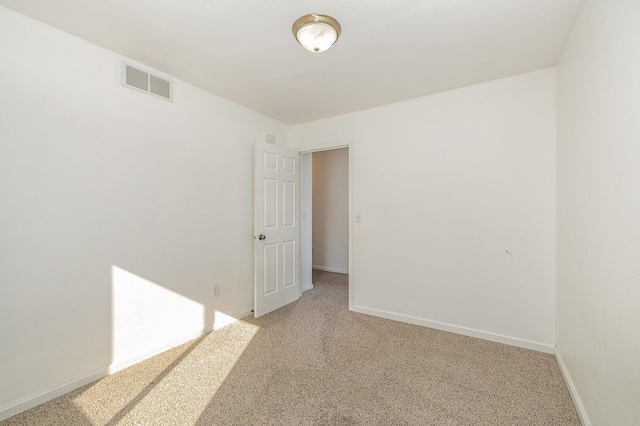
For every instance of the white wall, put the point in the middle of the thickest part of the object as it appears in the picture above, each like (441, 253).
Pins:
(598, 281)
(331, 210)
(119, 212)
(446, 185)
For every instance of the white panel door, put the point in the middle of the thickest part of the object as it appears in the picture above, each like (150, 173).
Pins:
(277, 227)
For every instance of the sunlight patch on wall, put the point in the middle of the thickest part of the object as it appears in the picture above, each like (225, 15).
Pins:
(222, 320)
(147, 317)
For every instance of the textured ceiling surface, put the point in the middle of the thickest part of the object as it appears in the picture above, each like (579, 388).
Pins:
(389, 51)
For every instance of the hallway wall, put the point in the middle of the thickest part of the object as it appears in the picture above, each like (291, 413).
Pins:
(331, 210)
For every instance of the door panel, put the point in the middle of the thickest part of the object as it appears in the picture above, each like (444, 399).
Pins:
(270, 262)
(270, 205)
(277, 227)
(288, 204)
(288, 263)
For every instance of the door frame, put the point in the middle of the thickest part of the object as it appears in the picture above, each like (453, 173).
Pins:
(328, 147)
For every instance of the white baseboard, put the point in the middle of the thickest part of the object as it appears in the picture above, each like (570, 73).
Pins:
(307, 287)
(114, 368)
(23, 404)
(582, 413)
(330, 269)
(35, 399)
(465, 331)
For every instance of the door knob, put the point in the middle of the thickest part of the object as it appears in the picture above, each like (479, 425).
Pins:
(261, 237)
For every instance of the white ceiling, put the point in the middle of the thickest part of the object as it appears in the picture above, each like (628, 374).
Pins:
(389, 50)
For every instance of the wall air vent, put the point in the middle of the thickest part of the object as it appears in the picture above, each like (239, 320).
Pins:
(143, 81)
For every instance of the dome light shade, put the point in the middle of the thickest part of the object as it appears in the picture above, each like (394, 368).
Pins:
(316, 32)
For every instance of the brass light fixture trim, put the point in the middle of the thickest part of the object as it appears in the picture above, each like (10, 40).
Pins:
(316, 32)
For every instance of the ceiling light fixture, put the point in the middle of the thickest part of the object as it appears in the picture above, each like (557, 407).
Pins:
(316, 32)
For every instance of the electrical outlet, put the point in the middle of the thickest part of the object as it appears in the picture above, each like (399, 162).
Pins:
(216, 290)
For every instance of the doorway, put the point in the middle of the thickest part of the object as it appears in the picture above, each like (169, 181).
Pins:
(326, 200)
(330, 211)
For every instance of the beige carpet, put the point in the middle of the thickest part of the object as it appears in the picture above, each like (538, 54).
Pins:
(315, 363)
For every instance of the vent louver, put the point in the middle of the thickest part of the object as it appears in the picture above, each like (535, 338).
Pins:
(143, 81)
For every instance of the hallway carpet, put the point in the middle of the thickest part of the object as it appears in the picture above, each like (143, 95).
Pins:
(313, 362)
